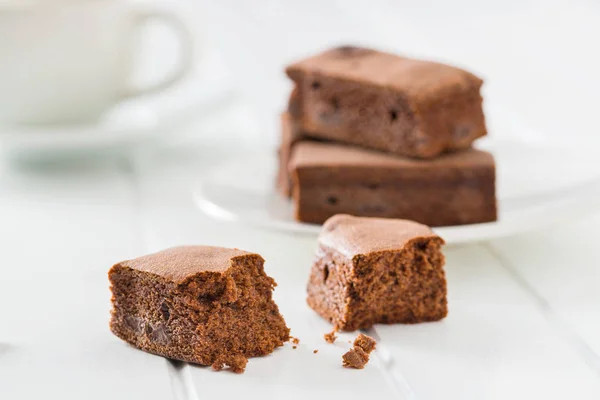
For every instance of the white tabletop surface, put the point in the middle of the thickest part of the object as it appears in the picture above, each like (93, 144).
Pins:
(524, 312)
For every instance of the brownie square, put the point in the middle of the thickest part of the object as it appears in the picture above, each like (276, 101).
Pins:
(386, 102)
(372, 270)
(453, 189)
(200, 304)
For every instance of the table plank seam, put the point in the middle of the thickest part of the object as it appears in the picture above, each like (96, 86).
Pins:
(181, 383)
(592, 360)
(181, 380)
(132, 174)
(390, 369)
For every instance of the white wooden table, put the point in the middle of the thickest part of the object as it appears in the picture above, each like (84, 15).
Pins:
(524, 312)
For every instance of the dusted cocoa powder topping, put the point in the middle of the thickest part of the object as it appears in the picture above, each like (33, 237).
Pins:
(204, 305)
(354, 235)
(351, 51)
(411, 77)
(179, 263)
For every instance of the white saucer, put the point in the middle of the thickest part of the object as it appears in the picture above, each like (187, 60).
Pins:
(538, 185)
(138, 121)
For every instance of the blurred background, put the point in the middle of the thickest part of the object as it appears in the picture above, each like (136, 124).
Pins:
(111, 112)
(537, 59)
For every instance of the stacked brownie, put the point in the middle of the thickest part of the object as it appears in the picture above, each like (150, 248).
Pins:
(373, 134)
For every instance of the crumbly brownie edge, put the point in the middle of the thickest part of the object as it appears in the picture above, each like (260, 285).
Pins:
(355, 294)
(328, 285)
(407, 285)
(196, 321)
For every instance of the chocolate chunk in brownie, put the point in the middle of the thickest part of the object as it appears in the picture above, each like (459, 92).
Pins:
(387, 102)
(453, 189)
(372, 270)
(204, 305)
(355, 358)
(365, 342)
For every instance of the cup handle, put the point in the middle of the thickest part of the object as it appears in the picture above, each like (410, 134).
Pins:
(186, 54)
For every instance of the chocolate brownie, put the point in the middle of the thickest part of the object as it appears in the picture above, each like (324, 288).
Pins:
(372, 270)
(453, 189)
(204, 305)
(386, 102)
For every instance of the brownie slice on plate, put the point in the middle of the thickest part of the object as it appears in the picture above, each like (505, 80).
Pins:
(452, 189)
(386, 102)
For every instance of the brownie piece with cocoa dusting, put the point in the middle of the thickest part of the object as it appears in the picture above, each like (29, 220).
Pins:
(371, 270)
(387, 102)
(453, 189)
(200, 304)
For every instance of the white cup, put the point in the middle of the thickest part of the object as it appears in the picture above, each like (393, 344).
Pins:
(70, 61)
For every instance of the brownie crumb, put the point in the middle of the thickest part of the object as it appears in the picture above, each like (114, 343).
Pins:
(294, 340)
(355, 358)
(237, 363)
(315, 351)
(331, 336)
(365, 342)
(358, 356)
(294, 347)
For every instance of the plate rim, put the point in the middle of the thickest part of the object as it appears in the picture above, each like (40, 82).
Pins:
(534, 212)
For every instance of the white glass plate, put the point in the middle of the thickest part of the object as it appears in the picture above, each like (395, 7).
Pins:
(537, 185)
